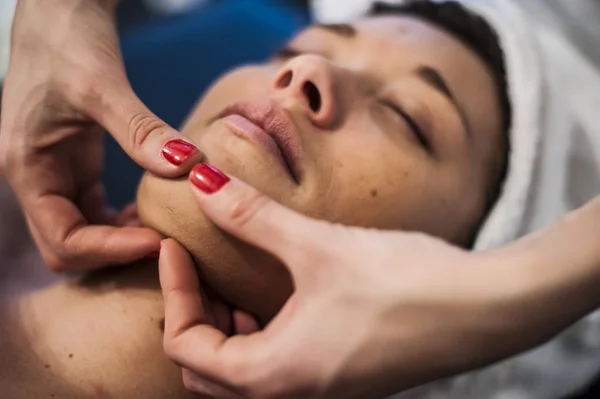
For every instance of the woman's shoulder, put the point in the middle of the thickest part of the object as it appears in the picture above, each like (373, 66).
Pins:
(93, 336)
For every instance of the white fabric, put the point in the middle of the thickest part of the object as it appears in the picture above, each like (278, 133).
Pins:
(7, 8)
(173, 6)
(554, 89)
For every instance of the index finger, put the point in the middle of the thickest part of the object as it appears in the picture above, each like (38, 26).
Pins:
(147, 139)
(250, 215)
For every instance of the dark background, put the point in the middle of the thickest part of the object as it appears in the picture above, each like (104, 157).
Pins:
(171, 60)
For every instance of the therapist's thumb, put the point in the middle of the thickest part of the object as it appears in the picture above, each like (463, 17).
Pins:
(149, 141)
(251, 216)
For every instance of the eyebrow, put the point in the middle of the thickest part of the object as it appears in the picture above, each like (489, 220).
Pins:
(434, 79)
(343, 30)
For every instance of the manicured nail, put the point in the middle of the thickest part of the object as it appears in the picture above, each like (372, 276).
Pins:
(208, 178)
(153, 255)
(177, 151)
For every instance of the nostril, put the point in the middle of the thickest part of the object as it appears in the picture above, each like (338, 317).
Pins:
(285, 80)
(312, 94)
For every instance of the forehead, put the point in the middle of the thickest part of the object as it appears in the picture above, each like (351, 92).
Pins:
(408, 30)
(394, 43)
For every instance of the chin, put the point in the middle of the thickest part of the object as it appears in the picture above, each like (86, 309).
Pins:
(249, 279)
(246, 161)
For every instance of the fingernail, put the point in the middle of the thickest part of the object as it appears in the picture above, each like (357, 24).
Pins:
(208, 178)
(177, 151)
(153, 255)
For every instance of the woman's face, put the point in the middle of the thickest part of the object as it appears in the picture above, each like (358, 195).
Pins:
(389, 123)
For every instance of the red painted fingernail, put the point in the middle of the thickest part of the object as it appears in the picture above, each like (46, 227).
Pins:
(177, 151)
(153, 255)
(208, 178)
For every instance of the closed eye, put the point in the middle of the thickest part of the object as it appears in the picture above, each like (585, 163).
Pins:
(286, 53)
(414, 127)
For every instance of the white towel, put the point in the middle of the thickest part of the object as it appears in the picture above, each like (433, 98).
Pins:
(554, 167)
(167, 7)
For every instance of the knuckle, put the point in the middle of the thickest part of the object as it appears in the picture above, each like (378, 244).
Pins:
(57, 257)
(257, 381)
(169, 346)
(173, 349)
(54, 263)
(246, 208)
(239, 373)
(189, 383)
(85, 90)
(142, 126)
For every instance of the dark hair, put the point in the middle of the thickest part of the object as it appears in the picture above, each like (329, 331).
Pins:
(479, 36)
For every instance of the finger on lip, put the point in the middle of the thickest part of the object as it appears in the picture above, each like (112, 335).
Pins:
(276, 122)
(246, 129)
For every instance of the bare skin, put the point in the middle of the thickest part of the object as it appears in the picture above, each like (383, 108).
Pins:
(95, 336)
(100, 334)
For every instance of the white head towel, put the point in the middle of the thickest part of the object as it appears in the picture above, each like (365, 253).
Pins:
(554, 91)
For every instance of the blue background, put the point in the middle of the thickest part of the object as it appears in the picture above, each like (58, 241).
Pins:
(171, 61)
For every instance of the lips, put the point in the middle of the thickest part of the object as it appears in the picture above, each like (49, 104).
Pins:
(269, 126)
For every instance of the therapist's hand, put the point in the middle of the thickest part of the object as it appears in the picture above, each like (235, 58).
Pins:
(66, 79)
(373, 313)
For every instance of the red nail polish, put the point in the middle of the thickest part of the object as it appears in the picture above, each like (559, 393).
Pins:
(177, 151)
(208, 178)
(153, 255)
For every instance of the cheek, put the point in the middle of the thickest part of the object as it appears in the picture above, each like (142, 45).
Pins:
(376, 191)
(370, 178)
(392, 194)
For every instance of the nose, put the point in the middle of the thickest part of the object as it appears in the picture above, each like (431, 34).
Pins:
(309, 79)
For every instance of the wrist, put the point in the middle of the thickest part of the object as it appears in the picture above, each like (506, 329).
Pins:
(505, 313)
(550, 279)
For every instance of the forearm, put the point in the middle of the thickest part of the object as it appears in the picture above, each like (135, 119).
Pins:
(553, 275)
